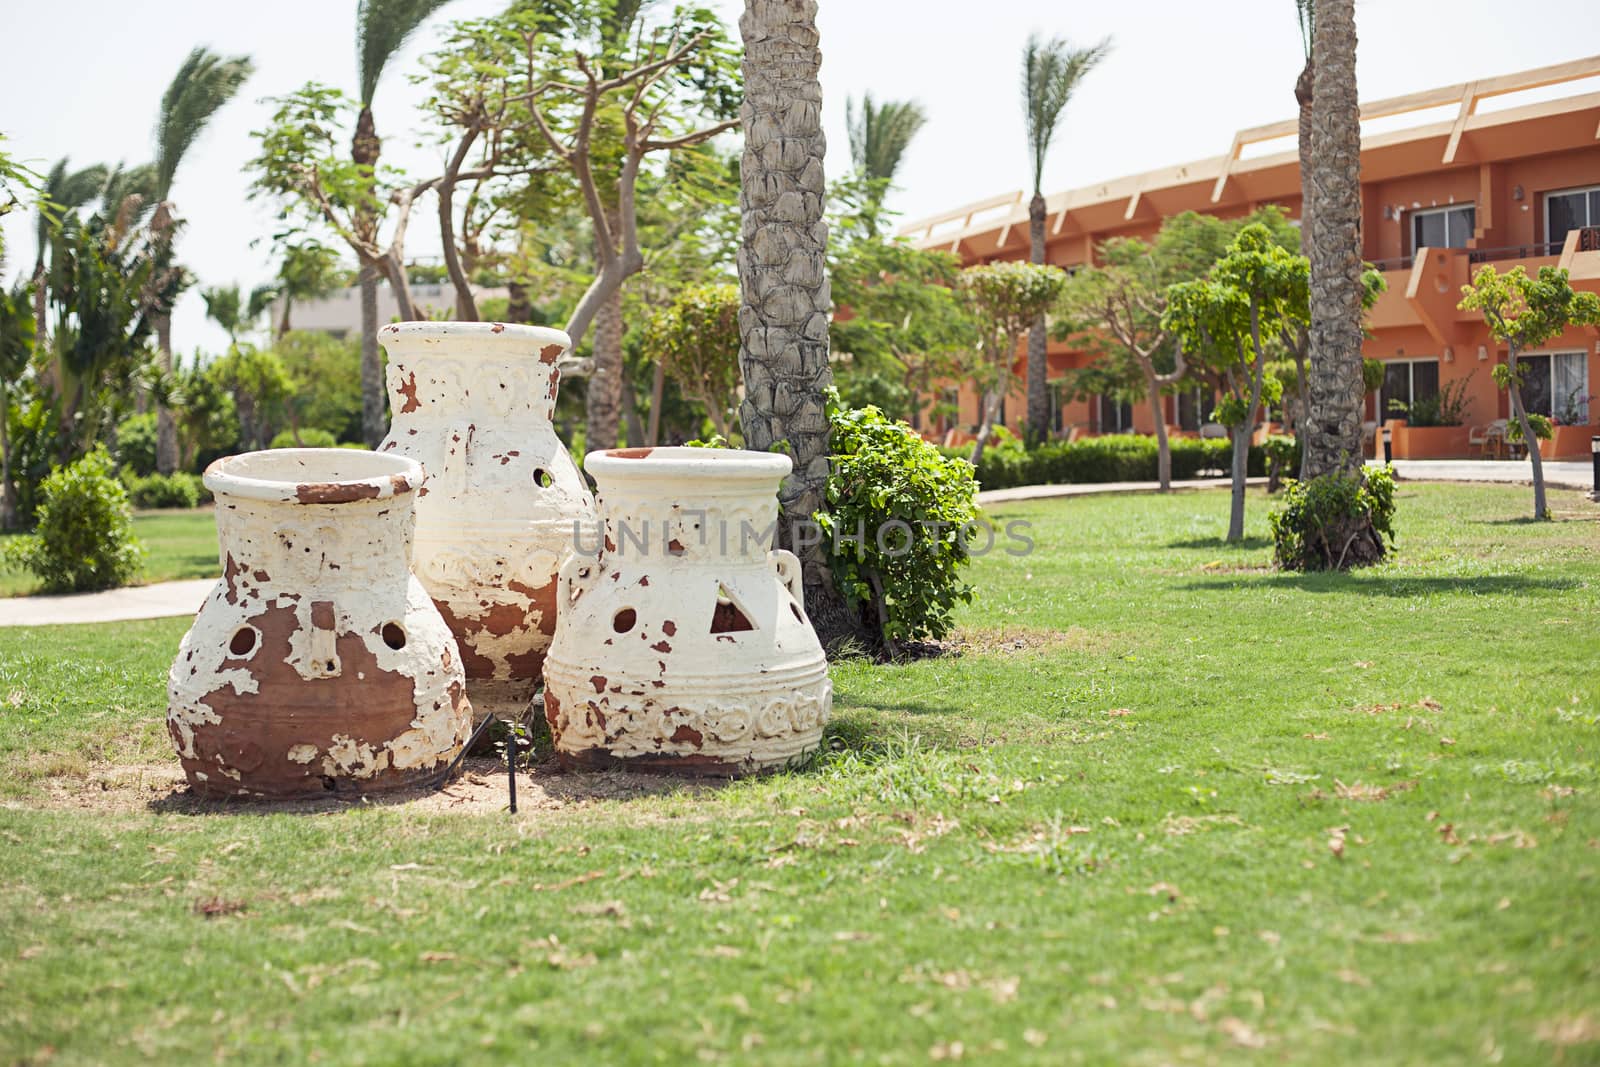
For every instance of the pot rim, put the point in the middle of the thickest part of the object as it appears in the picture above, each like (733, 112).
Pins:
(368, 475)
(680, 461)
(487, 338)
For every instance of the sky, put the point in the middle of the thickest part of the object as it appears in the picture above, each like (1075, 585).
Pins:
(1180, 79)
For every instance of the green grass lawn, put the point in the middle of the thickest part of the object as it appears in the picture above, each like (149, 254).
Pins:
(1168, 807)
(181, 544)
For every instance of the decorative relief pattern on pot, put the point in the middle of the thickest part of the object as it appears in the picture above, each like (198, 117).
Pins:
(318, 662)
(682, 643)
(473, 402)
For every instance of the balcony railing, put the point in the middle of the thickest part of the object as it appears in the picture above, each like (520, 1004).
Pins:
(1533, 251)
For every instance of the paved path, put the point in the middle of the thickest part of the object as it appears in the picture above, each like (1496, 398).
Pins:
(1565, 474)
(158, 601)
(167, 599)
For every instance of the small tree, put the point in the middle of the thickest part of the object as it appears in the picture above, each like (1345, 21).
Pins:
(85, 535)
(1008, 299)
(1523, 313)
(1256, 294)
(696, 339)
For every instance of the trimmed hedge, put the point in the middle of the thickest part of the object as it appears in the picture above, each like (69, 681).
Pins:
(1113, 458)
(179, 489)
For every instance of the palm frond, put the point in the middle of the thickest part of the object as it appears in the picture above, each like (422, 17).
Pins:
(881, 133)
(1051, 71)
(223, 306)
(204, 82)
(382, 27)
(124, 182)
(261, 298)
(1305, 11)
(66, 190)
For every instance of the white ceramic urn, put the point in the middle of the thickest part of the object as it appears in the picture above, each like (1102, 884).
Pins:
(318, 663)
(473, 402)
(682, 642)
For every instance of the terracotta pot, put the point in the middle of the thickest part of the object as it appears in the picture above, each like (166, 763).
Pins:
(473, 403)
(682, 643)
(318, 662)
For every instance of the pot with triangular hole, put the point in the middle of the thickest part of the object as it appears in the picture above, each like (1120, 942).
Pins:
(682, 642)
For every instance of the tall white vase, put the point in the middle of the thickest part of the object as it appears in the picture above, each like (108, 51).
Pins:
(473, 402)
(318, 662)
(682, 643)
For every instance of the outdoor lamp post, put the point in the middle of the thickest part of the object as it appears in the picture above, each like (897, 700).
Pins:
(1388, 444)
(1594, 449)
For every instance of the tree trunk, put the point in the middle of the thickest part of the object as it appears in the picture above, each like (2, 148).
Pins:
(518, 307)
(1241, 468)
(658, 388)
(166, 425)
(283, 323)
(604, 397)
(1163, 446)
(783, 285)
(1541, 509)
(8, 495)
(991, 411)
(630, 416)
(372, 385)
(1333, 403)
(1038, 360)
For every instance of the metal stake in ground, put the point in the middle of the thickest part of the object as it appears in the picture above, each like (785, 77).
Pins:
(511, 765)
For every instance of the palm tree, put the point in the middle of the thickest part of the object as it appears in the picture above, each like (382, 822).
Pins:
(204, 83)
(879, 137)
(1051, 72)
(382, 29)
(783, 285)
(1335, 386)
(63, 191)
(308, 271)
(1305, 12)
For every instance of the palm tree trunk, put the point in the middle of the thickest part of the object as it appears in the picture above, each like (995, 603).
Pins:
(630, 415)
(166, 425)
(372, 386)
(1541, 509)
(1303, 87)
(1038, 360)
(783, 285)
(1333, 403)
(8, 496)
(604, 397)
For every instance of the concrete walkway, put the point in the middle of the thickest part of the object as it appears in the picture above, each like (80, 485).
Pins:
(1562, 474)
(168, 599)
(158, 601)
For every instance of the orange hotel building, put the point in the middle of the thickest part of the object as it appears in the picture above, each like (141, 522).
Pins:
(1502, 171)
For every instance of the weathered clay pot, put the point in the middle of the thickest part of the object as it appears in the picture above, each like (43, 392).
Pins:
(473, 403)
(318, 662)
(682, 642)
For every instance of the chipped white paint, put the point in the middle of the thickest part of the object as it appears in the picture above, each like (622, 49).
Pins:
(318, 661)
(473, 402)
(682, 642)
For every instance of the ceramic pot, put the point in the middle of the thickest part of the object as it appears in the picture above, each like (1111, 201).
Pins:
(473, 403)
(318, 662)
(682, 642)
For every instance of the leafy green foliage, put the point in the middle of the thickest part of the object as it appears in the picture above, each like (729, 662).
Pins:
(696, 338)
(910, 507)
(1282, 455)
(180, 489)
(1333, 520)
(1543, 427)
(84, 539)
(1447, 407)
(1096, 460)
(324, 375)
(136, 444)
(310, 437)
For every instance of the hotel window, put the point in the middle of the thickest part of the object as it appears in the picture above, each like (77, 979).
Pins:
(1115, 416)
(1557, 386)
(1570, 209)
(1194, 408)
(1406, 381)
(1445, 227)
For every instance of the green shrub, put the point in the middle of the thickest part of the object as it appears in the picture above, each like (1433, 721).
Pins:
(1113, 458)
(32, 426)
(912, 510)
(1542, 427)
(84, 539)
(1335, 521)
(136, 443)
(310, 437)
(180, 489)
(1282, 455)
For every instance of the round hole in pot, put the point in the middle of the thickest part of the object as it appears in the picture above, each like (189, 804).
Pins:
(394, 635)
(624, 620)
(542, 478)
(243, 642)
